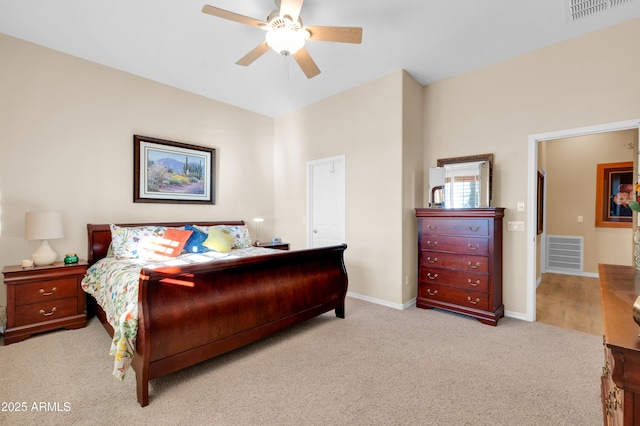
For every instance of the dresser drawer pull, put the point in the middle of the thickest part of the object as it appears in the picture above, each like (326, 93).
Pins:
(475, 302)
(430, 244)
(432, 277)
(46, 314)
(42, 292)
(473, 228)
(474, 284)
(432, 293)
(435, 259)
(476, 247)
(433, 227)
(476, 266)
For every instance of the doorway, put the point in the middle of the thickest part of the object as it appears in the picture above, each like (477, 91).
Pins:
(534, 140)
(326, 202)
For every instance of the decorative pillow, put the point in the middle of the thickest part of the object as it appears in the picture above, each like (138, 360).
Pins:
(218, 240)
(172, 242)
(129, 243)
(240, 233)
(194, 243)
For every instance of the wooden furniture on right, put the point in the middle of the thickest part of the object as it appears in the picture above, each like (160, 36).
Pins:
(460, 261)
(620, 381)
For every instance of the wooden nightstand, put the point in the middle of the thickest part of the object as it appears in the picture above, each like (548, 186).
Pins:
(43, 298)
(277, 246)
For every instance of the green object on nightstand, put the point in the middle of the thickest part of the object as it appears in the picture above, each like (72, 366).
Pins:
(70, 258)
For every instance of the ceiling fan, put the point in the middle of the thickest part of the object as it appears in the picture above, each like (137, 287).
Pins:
(286, 34)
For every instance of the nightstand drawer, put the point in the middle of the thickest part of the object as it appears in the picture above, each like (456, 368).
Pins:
(46, 290)
(45, 311)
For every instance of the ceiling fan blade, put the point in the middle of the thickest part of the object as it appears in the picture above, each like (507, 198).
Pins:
(309, 67)
(260, 50)
(337, 34)
(291, 8)
(225, 14)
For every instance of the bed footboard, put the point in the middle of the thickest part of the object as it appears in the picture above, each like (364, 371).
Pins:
(193, 313)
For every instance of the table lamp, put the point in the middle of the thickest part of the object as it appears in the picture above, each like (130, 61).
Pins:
(43, 226)
(257, 221)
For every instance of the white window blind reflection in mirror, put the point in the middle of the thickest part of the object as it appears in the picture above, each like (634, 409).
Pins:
(466, 185)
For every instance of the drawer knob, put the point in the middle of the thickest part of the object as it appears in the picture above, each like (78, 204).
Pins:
(432, 277)
(474, 228)
(46, 314)
(433, 227)
(472, 247)
(475, 302)
(430, 244)
(476, 266)
(432, 293)
(435, 259)
(42, 292)
(474, 284)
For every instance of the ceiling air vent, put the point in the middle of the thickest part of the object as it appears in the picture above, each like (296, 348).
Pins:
(578, 9)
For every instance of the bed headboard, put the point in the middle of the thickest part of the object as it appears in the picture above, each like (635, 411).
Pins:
(100, 235)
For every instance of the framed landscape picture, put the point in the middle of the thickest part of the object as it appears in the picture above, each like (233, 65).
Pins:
(172, 172)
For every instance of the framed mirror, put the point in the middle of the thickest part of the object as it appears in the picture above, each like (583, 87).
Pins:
(466, 182)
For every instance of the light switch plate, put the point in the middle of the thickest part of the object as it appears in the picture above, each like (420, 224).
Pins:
(520, 206)
(515, 226)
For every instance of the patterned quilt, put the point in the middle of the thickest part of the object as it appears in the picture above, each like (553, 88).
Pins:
(114, 285)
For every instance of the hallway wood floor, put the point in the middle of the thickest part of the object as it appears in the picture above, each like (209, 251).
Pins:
(570, 301)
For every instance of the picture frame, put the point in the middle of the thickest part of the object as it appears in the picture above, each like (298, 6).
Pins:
(172, 172)
(614, 186)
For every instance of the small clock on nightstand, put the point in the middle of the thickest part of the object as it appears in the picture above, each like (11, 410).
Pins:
(43, 298)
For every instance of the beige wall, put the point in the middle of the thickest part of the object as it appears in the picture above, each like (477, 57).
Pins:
(66, 138)
(72, 122)
(571, 165)
(585, 81)
(366, 124)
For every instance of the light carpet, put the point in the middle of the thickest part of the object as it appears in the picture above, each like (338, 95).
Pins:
(379, 366)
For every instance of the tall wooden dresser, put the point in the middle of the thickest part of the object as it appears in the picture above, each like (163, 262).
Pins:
(460, 261)
(620, 382)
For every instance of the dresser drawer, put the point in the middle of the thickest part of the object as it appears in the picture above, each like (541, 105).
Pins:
(471, 227)
(466, 245)
(45, 311)
(46, 290)
(465, 280)
(458, 262)
(454, 295)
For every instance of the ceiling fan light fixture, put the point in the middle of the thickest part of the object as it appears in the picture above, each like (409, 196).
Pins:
(285, 41)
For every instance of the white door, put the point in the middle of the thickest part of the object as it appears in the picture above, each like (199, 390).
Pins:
(326, 201)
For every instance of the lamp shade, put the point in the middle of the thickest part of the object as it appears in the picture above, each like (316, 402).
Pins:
(42, 225)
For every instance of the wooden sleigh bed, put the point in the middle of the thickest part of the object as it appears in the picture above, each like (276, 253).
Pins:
(188, 314)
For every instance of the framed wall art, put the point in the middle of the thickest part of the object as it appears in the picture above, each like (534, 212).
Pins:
(172, 172)
(614, 189)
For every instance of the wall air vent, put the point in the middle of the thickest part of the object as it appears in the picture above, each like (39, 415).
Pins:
(578, 9)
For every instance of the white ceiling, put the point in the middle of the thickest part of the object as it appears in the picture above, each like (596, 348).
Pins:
(173, 42)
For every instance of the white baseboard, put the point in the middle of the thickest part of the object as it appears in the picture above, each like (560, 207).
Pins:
(398, 306)
(576, 273)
